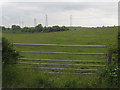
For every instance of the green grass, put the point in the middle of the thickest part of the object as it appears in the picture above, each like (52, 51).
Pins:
(75, 36)
(14, 77)
(79, 36)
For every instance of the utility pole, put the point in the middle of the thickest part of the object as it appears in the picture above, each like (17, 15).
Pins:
(46, 20)
(35, 22)
(71, 20)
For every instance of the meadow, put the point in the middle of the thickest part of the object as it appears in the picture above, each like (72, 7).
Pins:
(74, 36)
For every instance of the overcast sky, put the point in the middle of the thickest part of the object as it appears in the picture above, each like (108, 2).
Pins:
(83, 13)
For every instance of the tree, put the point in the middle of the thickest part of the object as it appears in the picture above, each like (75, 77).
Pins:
(15, 27)
(39, 28)
(3, 28)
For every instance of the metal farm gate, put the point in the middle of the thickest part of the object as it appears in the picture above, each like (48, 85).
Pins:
(83, 71)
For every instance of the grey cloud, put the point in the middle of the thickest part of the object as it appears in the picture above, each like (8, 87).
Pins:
(58, 12)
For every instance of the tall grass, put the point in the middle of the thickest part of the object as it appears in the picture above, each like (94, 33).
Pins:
(19, 78)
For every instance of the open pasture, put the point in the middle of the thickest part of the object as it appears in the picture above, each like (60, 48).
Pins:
(75, 36)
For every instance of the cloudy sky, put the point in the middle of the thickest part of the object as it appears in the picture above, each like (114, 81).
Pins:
(83, 13)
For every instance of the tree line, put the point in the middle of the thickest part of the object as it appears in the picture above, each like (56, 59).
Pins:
(37, 28)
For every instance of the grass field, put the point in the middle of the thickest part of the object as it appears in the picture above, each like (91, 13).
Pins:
(75, 36)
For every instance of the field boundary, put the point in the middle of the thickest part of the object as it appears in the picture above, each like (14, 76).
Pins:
(58, 60)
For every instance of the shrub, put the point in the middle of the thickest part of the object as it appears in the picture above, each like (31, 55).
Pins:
(110, 75)
(9, 54)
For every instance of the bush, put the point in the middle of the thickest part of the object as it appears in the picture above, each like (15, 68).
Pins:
(110, 76)
(110, 73)
(40, 28)
(10, 74)
(9, 54)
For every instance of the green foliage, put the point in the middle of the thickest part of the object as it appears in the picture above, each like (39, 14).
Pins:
(55, 29)
(3, 28)
(119, 44)
(110, 75)
(9, 54)
(15, 27)
(39, 28)
(115, 56)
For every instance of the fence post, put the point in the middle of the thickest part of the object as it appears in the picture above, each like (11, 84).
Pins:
(109, 56)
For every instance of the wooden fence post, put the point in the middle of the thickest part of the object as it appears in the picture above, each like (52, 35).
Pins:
(109, 57)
